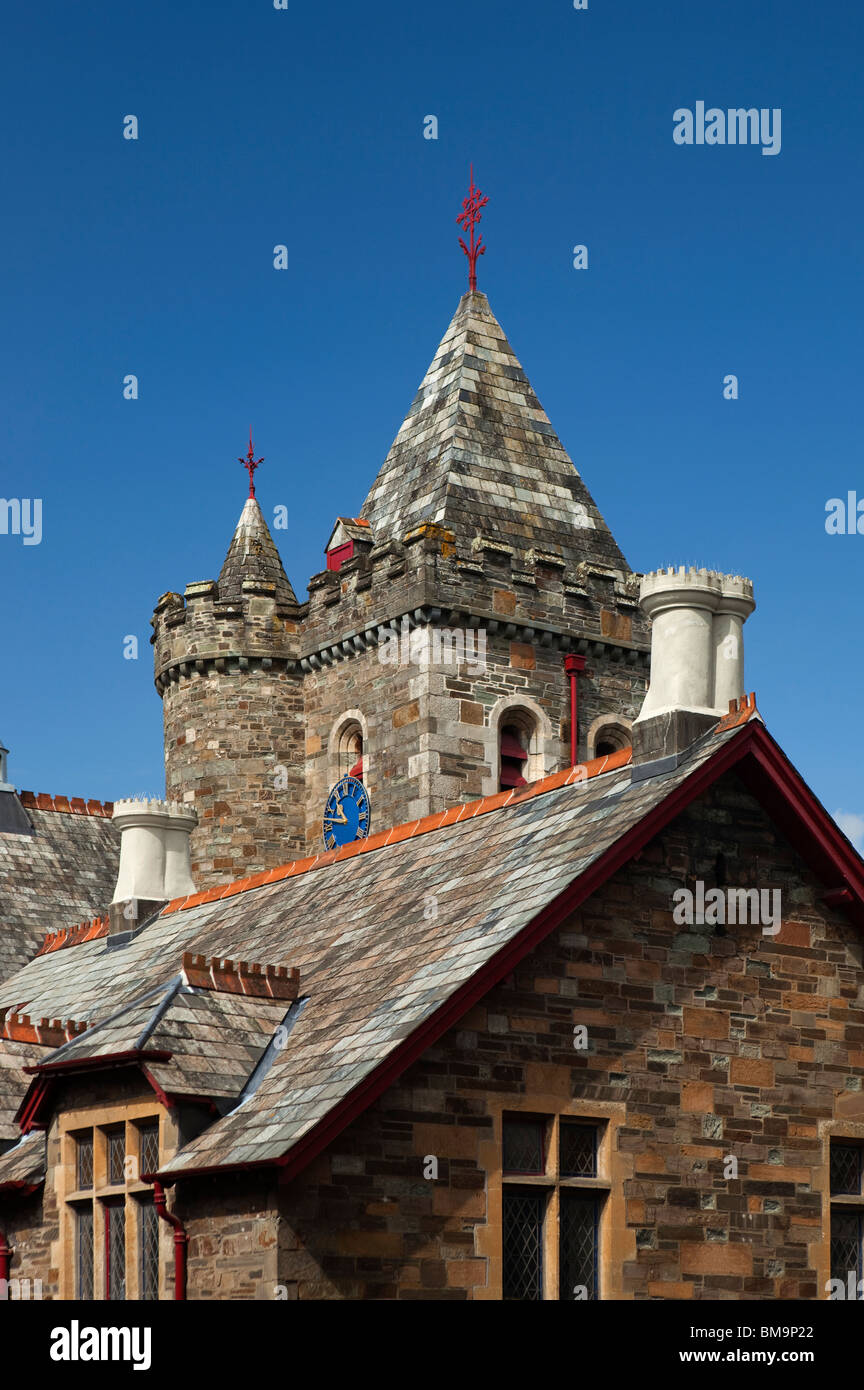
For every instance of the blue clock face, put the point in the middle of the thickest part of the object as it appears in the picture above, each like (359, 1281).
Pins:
(346, 815)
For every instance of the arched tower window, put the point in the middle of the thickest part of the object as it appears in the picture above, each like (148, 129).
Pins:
(608, 734)
(348, 751)
(513, 758)
(351, 752)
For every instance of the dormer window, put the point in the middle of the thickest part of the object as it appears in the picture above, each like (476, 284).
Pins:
(347, 534)
(514, 756)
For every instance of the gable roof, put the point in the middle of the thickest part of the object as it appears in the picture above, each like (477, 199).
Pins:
(477, 454)
(393, 945)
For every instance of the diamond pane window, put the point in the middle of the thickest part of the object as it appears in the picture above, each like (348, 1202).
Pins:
(115, 1251)
(523, 1146)
(578, 1151)
(846, 1169)
(116, 1155)
(523, 1245)
(148, 1148)
(84, 1162)
(578, 1222)
(845, 1245)
(84, 1252)
(148, 1245)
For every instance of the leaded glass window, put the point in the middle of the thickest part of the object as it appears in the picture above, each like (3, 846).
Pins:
(84, 1252)
(845, 1245)
(523, 1244)
(84, 1161)
(148, 1148)
(846, 1170)
(148, 1246)
(115, 1251)
(578, 1151)
(578, 1222)
(523, 1146)
(116, 1156)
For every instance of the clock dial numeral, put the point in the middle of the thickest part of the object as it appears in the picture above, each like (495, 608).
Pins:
(330, 840)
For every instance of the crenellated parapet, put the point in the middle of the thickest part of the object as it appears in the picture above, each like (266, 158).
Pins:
(428, 578)
(198, 631)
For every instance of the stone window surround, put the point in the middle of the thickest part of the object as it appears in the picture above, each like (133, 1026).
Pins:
(839, 1130)
(100, 1120)
(617, 1240)
(343, 726)
(616, 724)
(544, 749)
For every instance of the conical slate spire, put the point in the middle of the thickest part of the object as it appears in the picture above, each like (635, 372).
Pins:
(253, 555)
(477, 454)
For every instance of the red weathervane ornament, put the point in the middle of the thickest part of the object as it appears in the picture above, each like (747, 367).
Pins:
(251, 463)
(468, 219)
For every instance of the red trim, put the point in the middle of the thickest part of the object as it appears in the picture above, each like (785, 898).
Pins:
(338, 555)
(5, 1263)
(773, 781)
(180, 1240)
(32, 1108)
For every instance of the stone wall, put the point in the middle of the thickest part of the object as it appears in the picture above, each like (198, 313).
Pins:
(704, 1044)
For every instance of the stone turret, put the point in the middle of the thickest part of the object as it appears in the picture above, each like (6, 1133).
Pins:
(226, 667)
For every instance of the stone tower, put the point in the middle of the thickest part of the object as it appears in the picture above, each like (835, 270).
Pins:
(430, 651)
(225, 660)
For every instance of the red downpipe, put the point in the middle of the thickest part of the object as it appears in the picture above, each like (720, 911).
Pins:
(573, 665)
(5, 1260)
(180, 1239)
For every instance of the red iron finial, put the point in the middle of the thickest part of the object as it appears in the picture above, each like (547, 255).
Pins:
(468, 219)
(251, 463)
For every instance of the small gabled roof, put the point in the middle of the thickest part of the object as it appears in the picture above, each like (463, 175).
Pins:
(476, 454)
(252, 555)
(189, 1042)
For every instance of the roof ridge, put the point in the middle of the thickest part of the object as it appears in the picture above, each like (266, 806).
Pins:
(581, 772)
(76, 805)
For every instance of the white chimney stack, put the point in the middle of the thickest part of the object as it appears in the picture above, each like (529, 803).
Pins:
(154, 858)
(697, 655)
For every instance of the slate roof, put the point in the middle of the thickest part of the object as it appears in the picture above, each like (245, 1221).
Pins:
(214, 1039)
(252, 554)
(60, 875)
(374, 963)
(23, 1166)
(477, 454)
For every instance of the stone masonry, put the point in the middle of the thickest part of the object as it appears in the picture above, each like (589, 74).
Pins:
(481, 533)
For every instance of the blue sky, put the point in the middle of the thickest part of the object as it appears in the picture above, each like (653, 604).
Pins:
(304, 127)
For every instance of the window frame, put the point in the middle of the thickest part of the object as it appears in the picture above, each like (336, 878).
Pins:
(555, 1185)
(105, 1197)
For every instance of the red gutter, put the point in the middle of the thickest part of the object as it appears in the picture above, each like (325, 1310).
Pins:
(180, 1239)
(573, 665)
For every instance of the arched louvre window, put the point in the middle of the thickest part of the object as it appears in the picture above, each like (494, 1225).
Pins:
(513, 757)
(351, 752)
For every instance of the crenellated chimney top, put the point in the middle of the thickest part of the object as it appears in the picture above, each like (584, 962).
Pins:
(697, 656)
